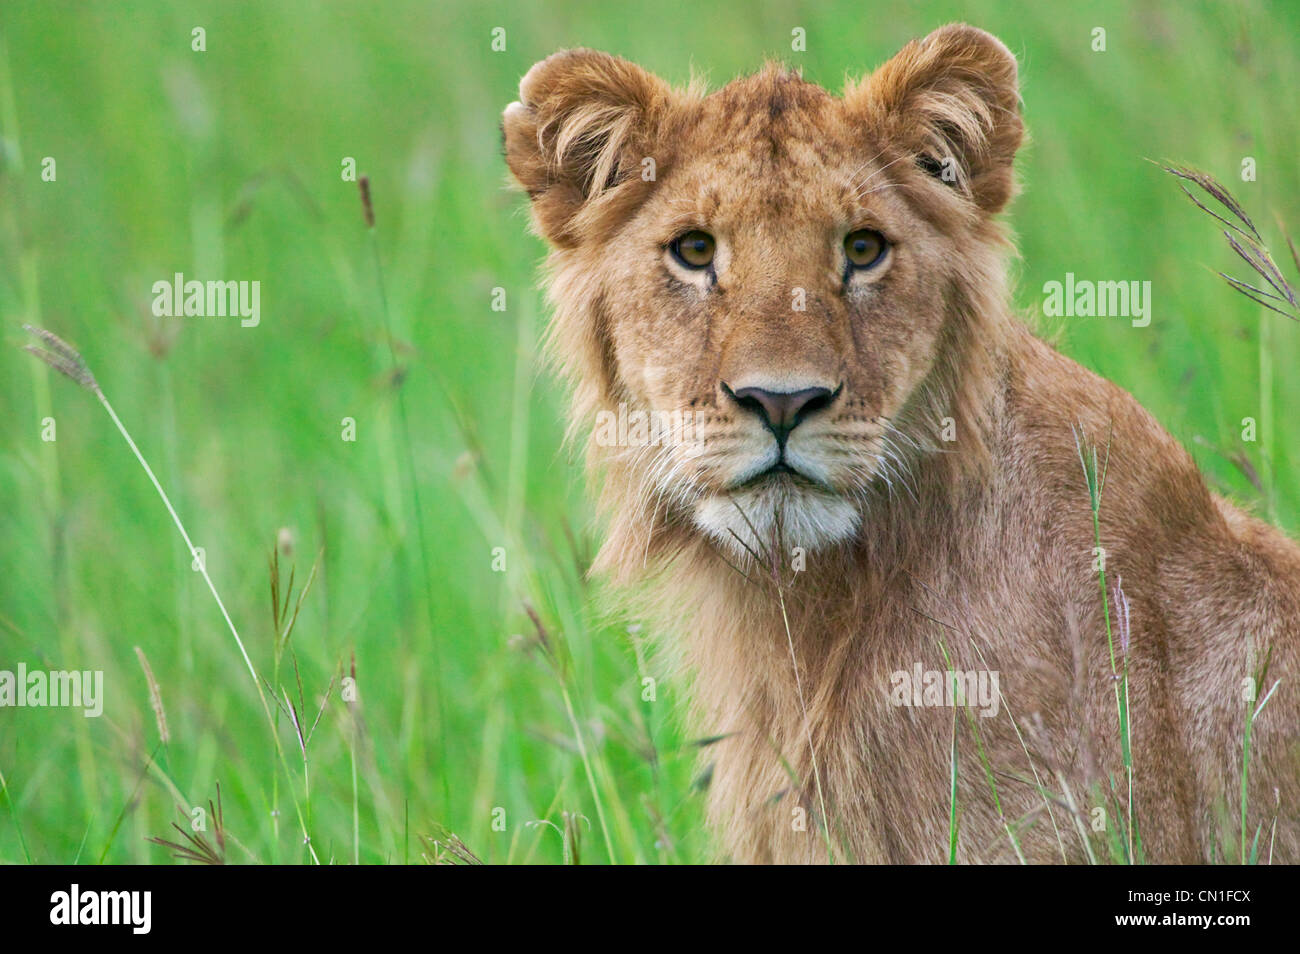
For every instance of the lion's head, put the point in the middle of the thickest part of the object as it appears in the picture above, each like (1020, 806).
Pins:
(770, 299)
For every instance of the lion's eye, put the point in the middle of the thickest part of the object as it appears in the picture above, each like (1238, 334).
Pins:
(694, 249)
(864, 248)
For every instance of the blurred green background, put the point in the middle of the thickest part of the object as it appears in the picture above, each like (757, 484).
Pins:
(227, 164)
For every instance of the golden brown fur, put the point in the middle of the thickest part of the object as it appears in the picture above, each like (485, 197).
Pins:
(939, 503)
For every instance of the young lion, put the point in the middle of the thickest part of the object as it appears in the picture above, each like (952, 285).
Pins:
(875, 482)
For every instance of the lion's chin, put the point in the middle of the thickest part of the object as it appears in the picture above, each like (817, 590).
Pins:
(793, 512)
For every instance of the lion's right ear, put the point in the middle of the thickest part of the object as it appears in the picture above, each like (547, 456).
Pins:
(582, 126)
(952, 96)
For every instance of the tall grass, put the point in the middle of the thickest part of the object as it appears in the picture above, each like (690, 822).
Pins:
(1095, 478)
(1277, 296)
(242, 425)
(65, 359)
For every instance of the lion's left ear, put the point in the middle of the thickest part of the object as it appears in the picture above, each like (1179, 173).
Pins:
(953, 98)
(581, 128)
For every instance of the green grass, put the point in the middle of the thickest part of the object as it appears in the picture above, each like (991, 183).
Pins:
(470, 717)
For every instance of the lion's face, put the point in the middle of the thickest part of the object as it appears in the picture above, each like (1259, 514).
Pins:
(795, 326)
(766, 274)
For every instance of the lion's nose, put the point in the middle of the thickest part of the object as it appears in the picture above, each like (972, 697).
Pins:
(782, 411)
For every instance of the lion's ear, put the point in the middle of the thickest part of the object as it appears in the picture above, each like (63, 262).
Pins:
(953, 98)
(583, 123)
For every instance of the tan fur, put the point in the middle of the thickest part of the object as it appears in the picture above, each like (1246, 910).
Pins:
(983, 544)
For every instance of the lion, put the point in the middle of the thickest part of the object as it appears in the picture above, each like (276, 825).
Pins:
(941, 593)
